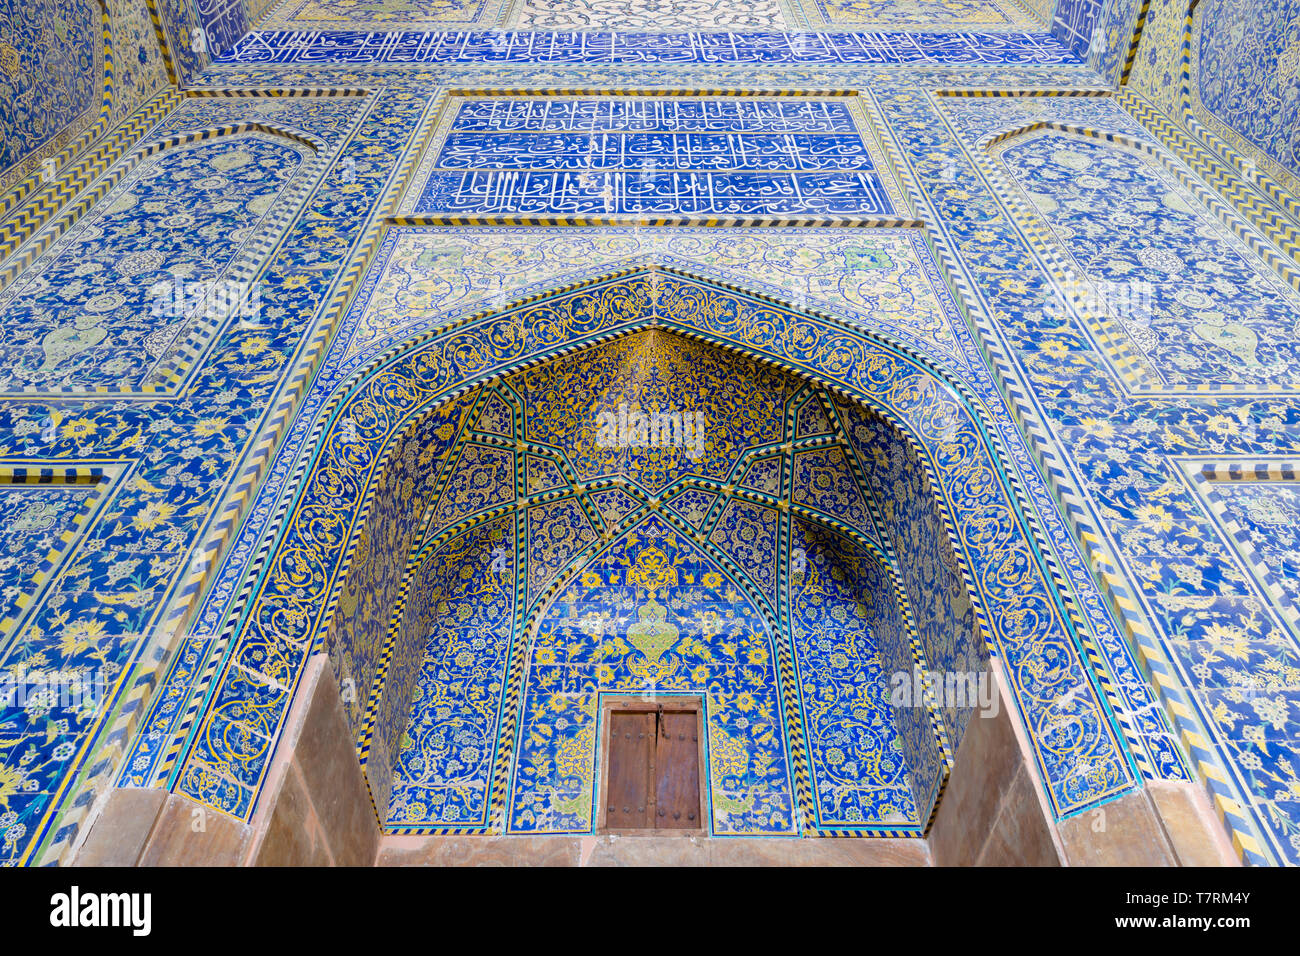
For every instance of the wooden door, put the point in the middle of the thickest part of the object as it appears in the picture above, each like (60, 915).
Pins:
(654, 769)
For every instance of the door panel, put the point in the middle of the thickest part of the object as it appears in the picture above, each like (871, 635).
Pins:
(678, 785)
(631, 769)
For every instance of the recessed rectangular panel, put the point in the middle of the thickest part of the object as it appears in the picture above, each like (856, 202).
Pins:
(659, 156)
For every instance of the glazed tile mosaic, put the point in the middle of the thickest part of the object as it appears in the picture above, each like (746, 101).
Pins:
(1253, 47)
(598, 48)
(654, 606)
(660, 156)
(1264, 517)
(1173, 273)
(1032, 399)
(381, 14)
(110, 305)
(75, 67)
(649, 15)
(952, 14)
(1084, 774)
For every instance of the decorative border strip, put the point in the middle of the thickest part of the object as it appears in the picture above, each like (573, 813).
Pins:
(1230, 182)
(786, 48)
(943, 737)
(38, 205)
(1221, 136)
(740, 222)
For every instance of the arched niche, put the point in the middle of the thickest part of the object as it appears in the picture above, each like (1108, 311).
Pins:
(367, 465)
(518, 512)
(1177, 290)
(126, 295)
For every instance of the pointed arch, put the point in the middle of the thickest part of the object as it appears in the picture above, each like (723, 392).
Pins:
(1079, 755)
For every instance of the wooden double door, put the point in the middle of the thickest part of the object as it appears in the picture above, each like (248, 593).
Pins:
(653, 766)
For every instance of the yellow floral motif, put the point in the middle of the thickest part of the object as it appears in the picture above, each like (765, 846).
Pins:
(728, 756)
(11, 779)
(152, 515)
(80, 636)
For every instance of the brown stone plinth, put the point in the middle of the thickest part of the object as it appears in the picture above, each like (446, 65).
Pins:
(990, 813)
(1196, 835)
(189, 834)
(117, 836)
(610, 850)
(320, 814)
(1165, 824)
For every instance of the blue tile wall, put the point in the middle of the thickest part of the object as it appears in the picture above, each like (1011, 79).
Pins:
(127, 292)
(1043, 421)
(1247, 72)
(849, 639)
(53, 72)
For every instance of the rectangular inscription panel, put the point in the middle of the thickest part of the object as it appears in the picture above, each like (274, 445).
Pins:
(693, 157)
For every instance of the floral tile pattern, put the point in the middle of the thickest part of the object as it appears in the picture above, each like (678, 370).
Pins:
(653, 612)
(657, 15)
(72, 66)
(1167, 273)
(349, 15)
(52, 69)
(840, 613)
(680, 640)
(443, 770)
(1055, 421)
(1268, 516)
(115, 303)
(1248, 73)
(33, 519)
(883, 276)
(1217, 629)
